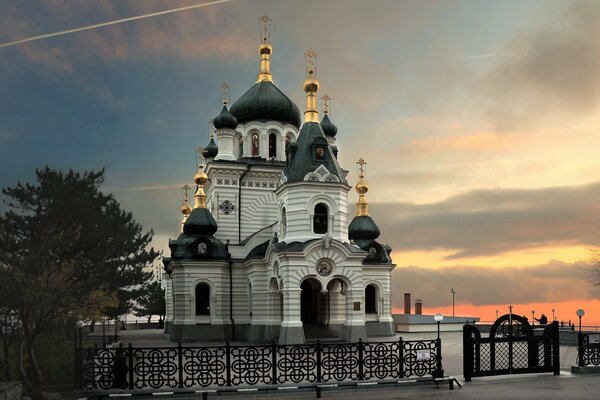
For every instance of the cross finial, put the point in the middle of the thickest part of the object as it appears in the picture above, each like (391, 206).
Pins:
(225, 93)
(311, 63)
(264, 24)
(361, 166)
(325, 98)
(186, 188)
(510, 308)
(200, 151)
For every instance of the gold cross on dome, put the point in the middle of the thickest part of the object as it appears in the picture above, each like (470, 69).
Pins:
(200, 151)
(225, 87)
(361, 166)
(325, 98)
(311, 62)
(186, 188)
(264, 24)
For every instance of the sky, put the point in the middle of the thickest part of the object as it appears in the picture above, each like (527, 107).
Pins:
(478, 120)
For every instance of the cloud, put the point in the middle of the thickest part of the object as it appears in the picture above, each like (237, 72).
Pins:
(555, 282)
(551, 68)
(192, 34)
(484, 222)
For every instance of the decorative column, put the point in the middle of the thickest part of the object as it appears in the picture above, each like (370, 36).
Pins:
(354, 326)
(292, 330)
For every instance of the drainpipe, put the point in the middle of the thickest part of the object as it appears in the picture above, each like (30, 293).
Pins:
(240, 204)
(230, 290)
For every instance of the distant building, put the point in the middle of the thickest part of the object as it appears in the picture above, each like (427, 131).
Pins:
(268, 251)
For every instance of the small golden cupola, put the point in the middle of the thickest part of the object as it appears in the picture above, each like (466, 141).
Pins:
(311, 87)
(265, 49)
(362, 230)
(201, 179)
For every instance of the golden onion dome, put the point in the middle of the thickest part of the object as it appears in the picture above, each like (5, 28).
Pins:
(311, 85)
(200, 178)
(361, 186)
(186, 209)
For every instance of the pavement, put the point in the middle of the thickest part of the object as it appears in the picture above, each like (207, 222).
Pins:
(527, 386)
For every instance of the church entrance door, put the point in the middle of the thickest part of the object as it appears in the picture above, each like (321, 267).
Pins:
(308, 302)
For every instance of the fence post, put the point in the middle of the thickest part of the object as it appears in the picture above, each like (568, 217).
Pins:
(180, 364)
(581, 350)
(467, 353)
(439, 372)
(360, 360)
(274, 362)
(555, 348)
(228, 363)
(400, 357)
(130, 361)
(318, 361)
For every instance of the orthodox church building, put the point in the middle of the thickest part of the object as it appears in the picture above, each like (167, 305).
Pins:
(270, 251)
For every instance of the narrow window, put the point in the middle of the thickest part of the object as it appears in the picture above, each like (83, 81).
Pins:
(241, 148)
(370, 300)
(202, 299)
(255, 151)
(320, 218)
(272, 145)
(283, 222)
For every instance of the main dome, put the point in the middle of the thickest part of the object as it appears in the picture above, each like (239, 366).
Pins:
(264, 101)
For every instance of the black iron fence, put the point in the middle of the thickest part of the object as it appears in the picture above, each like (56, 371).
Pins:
(184, 367)
(588, 353)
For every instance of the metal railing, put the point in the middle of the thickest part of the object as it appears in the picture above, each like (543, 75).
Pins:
(228, 365)
(588, 349)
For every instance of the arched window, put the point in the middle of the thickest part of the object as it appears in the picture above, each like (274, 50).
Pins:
(370, 300)
(255, 150)
(320, 218)
(272, 145)
(283, 222)
(202, 299)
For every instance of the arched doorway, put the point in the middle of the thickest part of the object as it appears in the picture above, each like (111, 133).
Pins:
(313, 308)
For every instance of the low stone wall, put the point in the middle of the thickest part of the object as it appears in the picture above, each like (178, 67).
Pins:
(11, 390)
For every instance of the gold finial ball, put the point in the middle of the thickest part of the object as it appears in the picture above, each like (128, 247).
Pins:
(186, 209)
(200, 178)
(265, 48)
(361, 186)
(311, 85)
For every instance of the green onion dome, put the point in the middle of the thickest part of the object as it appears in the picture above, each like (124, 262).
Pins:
(264, 101)
(225, 119)
(329, 129)
(211, 150)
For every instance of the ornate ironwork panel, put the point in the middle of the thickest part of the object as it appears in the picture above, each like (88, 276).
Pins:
(420, 357)
(203, 366)
(591, 351)
(339, 362)
(251, 365)
(297, 363)
(97, 366)
(155, 368)
(382, 360)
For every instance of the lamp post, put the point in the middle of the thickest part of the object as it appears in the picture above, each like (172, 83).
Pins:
(439, 372)
(77, 354)
(532, 317)
(79, 325)
(580, 313)
(496, 313)
(553, 317)
(453, 294)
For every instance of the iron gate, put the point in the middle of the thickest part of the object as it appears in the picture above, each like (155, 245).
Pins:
(511, 348)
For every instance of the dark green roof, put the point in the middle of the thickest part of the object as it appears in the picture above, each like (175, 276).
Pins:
(329, 129)
(264, 101)
(225, 120)
(211, 150)
(363, 228)
(197, 240)
(200, 222)
(303, 155)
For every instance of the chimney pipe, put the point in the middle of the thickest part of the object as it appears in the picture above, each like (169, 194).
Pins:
(407, 303)
(418, 307)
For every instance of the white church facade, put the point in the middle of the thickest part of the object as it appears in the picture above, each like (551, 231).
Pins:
(271, 251)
